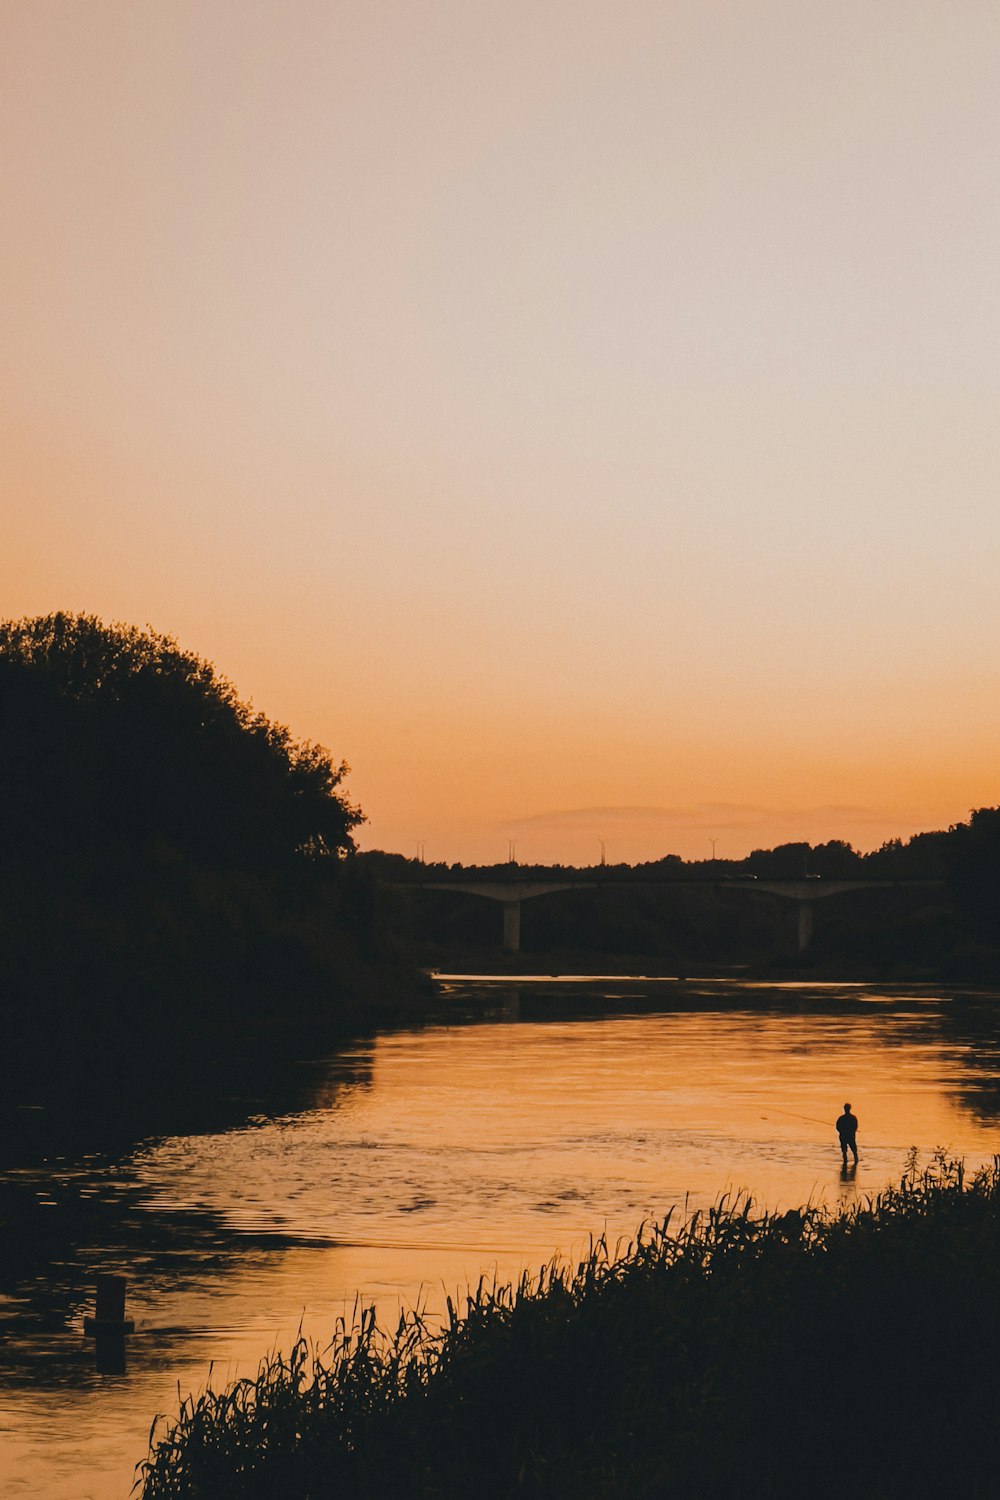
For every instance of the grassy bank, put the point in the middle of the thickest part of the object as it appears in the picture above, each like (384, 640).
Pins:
(741, 1355)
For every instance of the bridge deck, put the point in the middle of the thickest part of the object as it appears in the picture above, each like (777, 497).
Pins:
(511, 893)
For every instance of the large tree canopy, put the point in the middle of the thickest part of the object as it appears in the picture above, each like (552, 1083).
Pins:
(114, 738)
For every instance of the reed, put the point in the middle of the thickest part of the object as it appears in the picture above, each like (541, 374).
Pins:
(738, 1354)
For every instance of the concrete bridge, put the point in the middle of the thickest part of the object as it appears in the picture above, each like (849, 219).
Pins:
(513, 893)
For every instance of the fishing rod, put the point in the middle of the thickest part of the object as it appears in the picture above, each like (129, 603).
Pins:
(796, 1116)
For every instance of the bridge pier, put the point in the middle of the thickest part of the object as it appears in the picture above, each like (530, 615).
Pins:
(512, 927)
(806, 920)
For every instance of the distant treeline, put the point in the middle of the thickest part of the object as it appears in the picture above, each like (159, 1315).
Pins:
(168, 855)
(943, 918)
(171, 858)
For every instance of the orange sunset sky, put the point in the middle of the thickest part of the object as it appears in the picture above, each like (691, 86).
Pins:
(581, 417)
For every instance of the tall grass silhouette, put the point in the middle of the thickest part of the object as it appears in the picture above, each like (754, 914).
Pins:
(740, 1354)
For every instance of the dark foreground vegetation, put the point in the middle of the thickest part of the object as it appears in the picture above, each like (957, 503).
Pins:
(744, 1356)
(170, 859)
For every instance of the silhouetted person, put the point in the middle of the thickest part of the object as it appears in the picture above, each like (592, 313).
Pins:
(847, 1129)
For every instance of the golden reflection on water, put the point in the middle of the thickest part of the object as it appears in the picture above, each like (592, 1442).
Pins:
(468, 1149)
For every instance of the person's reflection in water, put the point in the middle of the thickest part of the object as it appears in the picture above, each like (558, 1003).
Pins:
(847, 1129)
(848, 1185)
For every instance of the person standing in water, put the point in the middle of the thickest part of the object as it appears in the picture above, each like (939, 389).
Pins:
(847, 1129)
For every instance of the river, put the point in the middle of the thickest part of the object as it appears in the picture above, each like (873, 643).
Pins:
(518, 1120)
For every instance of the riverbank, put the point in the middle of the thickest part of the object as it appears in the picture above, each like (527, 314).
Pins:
(494, 963)
(740, 1355)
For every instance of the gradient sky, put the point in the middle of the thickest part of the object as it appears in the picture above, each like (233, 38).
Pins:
(583, 418)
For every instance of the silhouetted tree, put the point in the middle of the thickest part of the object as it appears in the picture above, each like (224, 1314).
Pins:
(835, 859)
(165, 850)
(113, 737)
(785, 862)
(975, 873)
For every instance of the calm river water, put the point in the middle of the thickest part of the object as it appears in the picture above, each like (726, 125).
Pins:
(520, 1120)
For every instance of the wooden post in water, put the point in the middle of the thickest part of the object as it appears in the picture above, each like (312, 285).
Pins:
(109, 1325)
(110, 1310)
